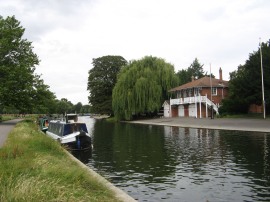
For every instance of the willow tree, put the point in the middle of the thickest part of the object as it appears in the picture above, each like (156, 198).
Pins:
(142, 87)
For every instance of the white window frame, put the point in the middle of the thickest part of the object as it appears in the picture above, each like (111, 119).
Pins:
(196, 91)
(214, 90)
(189, 92)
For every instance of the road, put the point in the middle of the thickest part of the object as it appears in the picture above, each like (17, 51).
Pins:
(5, 128)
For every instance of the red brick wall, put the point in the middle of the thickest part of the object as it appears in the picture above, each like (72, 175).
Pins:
(216, 98)
(255, 108)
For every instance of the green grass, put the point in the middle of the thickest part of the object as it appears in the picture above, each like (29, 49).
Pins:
(33, 167)
(6, 117)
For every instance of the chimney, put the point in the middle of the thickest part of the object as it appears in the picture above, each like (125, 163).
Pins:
(192, 78)
(220, 74)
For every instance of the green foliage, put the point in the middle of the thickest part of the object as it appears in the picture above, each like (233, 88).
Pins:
(21, 90)
(16, 65)
(101, 80)
(195, 69)
(64, 106)
(43, 100)
(77, 107)
(142, 86)
(245, 83)
(85, 109)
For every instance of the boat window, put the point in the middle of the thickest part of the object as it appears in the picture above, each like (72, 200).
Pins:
(59, 132)
(67, 129)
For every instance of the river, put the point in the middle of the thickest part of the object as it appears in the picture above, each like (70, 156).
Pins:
(163, 163)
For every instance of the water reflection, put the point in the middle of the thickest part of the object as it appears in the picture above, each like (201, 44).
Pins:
(155, 163)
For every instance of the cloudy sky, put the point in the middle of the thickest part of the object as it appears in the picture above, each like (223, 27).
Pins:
(68, 34)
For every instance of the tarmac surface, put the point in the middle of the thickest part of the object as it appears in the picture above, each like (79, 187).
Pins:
(258, 125)
(5, 128)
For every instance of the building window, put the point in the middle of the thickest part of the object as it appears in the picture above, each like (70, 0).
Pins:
(196, 91)
(190, 92)
(185, 93)
(178, 94)
(214, 91)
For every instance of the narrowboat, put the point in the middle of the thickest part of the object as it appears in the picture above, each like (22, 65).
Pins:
(73, 134)
(43, 124)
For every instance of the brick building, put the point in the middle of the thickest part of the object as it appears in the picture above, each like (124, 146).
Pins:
(197, 98)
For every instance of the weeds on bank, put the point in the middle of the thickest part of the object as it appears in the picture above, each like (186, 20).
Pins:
(34, 167)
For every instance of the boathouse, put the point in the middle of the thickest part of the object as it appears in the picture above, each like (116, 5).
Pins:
(197, 98)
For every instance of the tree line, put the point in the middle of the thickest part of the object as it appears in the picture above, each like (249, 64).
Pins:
(125, 89)
(142, 85)
(21, 89)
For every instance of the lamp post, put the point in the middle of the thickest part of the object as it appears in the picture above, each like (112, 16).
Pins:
(263, 101)
(212, 111)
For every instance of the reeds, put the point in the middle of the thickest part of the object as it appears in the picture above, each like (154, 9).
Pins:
(34, 167)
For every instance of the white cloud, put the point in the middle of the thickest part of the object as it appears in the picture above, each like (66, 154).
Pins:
(68, 34)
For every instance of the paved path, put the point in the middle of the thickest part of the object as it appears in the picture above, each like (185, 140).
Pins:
(259, 125)
(5, 128)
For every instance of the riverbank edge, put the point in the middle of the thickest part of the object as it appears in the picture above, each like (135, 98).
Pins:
(236, 124)
(119, 194)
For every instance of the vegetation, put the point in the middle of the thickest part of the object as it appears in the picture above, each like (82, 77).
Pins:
(6, 117)
(246, 85)
(101, 81)
(195, 70)
(17, 66)
(21, 89)
(35, 168)
(142, 86)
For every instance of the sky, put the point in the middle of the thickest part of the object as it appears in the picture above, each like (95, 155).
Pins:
(67, 34)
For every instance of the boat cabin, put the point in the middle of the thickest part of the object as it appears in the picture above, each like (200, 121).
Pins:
(62, 128)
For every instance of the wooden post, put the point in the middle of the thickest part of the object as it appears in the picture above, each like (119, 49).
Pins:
(206, 106)
(200, 106)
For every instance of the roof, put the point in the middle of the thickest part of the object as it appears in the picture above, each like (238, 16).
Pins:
(166, 102)
(202, 82)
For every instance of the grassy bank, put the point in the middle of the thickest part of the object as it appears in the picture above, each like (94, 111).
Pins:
(6, 117)
(33, 167)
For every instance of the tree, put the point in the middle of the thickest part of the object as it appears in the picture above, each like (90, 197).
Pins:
(195, 69)
(17, 66)
(43, 100)
(86, 109)
(78, 107)
(101, 80)
(64, 106)
(245, 83)
(142, 86)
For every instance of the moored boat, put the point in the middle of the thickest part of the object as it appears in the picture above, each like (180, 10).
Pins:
(43, 123)
(73, 134)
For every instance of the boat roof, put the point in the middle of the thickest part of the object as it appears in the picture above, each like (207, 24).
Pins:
(63, 122)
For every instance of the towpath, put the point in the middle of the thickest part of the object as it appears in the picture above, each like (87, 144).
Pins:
(5, 128)
(259, 125)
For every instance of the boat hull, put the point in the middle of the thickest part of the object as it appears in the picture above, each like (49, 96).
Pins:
(81, 142)
(74, 135)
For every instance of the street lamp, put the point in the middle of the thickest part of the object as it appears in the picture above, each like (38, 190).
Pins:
(263, 101)
(212, 107)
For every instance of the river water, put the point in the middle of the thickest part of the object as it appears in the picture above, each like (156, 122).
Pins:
(162, 163)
